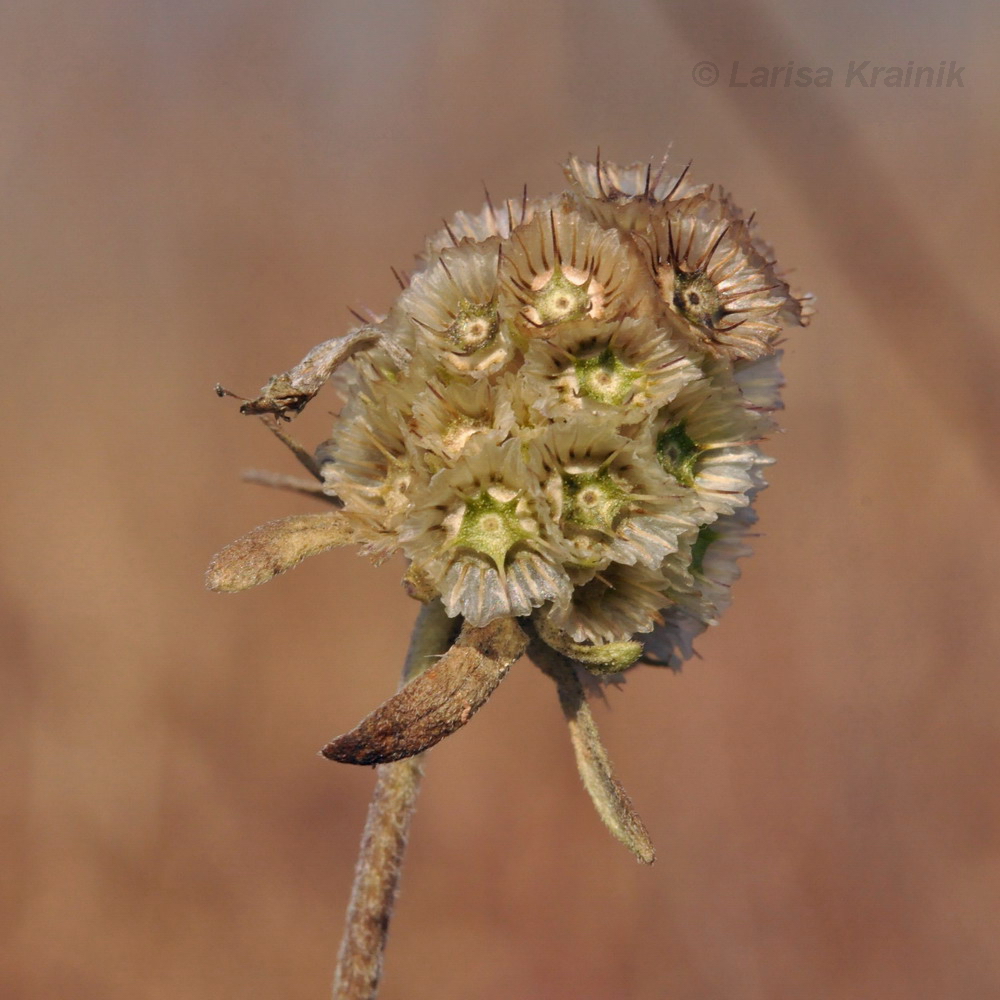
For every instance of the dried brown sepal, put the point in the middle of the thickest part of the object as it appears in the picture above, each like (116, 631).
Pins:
(609, 797)
(598, 658)
(286, 395)
(437, 702)
(277, 546)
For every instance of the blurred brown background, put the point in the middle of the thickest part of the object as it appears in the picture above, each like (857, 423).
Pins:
(195, 192)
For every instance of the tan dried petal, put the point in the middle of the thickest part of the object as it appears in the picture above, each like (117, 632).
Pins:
(617, 603)
(619, 371)
(493, 219)
(453, 309)
(710, 273)
(706, 439)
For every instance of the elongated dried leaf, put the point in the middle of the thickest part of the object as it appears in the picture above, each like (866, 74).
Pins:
(275, 547)
(438, 701)
(609, 797)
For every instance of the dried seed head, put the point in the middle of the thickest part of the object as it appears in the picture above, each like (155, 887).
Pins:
(706, 439)
(560, 417)
(559, 420)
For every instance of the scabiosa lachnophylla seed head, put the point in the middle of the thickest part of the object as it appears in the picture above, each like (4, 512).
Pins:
(561, 415)
(558, 424)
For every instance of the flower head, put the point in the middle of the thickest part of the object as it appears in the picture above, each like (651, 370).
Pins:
(558, 423)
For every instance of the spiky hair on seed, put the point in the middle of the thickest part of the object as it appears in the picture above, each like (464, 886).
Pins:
(449, 414)
(559, 268)
(373, 466)
(709, 273)
(493, 219)
(560, 415)
(453, 308)
(698, 604)
(622, 196)
(798, 307)
(609, 498)
(615, 604)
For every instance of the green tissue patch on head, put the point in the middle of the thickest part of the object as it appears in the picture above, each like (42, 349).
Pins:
(559, 300)
(474, 327)
(593, 500)
(605, 377)
(706, 536)
(491, 526)
(677, 453)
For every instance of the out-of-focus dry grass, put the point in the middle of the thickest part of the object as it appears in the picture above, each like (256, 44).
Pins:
(195, 193)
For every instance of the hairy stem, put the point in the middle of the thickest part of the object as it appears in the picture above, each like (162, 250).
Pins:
(376, 878)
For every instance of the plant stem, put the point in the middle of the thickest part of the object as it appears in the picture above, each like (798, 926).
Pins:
(376, 878)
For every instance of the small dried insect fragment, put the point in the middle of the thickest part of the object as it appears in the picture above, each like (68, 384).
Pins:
(286, 395)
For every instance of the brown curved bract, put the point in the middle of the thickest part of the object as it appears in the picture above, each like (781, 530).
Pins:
(438, 701)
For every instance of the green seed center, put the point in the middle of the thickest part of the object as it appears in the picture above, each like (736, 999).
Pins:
(559, 300)
(491, 526)
(594, 500)
(605, 377)
(474, 327)
(678, 454)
